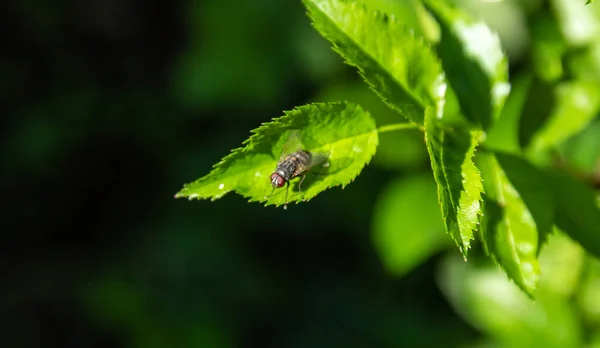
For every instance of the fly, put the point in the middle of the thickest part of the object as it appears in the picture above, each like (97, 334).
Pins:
(294, 162)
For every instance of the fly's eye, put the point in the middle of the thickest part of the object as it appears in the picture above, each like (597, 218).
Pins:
(277, 180)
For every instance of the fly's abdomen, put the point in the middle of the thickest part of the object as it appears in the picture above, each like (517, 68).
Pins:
(303, 157)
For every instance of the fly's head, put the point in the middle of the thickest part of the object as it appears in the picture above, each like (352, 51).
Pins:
(277, 180)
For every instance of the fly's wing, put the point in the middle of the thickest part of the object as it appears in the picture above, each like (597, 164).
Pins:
(315, 160)
(292, 144)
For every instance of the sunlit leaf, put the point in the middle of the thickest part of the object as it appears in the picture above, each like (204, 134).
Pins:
(475, 66)
(459, 182)
(532, 188)
(410, 13)
(398, 66)
(577, 103)
(576, 211)
(343, 131)
(498, 308)
(407, 224)
(508, 229)
(579, 24)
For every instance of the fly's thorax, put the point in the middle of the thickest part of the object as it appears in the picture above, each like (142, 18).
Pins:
(286, 168)
(290, 163)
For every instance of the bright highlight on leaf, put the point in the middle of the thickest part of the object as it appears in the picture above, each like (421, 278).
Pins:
(343, 131)
(398, 66)
(459, 183)
(474, 63)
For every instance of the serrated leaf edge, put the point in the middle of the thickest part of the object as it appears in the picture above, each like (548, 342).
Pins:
(408, 32)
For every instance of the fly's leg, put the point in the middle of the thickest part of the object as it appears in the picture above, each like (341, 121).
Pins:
(287, 188)
(273, 190)
(300, 186)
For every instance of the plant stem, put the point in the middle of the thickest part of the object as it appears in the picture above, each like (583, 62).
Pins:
(397, 126)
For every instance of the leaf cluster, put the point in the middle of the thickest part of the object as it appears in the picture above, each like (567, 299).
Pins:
(494, 144)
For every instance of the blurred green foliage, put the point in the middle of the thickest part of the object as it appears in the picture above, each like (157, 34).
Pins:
(111, 106)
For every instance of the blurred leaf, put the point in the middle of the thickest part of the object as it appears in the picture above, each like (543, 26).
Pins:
(459, 183)
(579, 24)
(398, 66)
(547, 48)
(576, 211)
(508, 227)
(474, 63)
(538, 106)
(497, 307)
(407, 225)
(504, 134)
(584, 63)
(506, 18)
(577, 103)
(344, 131)
(582, 151)
(588, 296)
(561, 262)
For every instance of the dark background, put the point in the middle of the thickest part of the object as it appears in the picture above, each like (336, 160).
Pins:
(109, 107)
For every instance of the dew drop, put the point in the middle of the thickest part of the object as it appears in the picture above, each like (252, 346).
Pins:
(221, 186)
(357, 148)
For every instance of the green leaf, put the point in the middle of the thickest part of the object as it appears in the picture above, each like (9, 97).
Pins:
(588, 296)
(561, 262)
(582, 151)
(475, 66)
(504, 134)
(548, 47)
(579, 24)
(577, 104)
(532, 187)
(498, 308)
(407, 224)
(398, 66)
(459, 183)
(576, 211)
(537, 109)
(343, 131)
(411, 13)
(508, 229)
